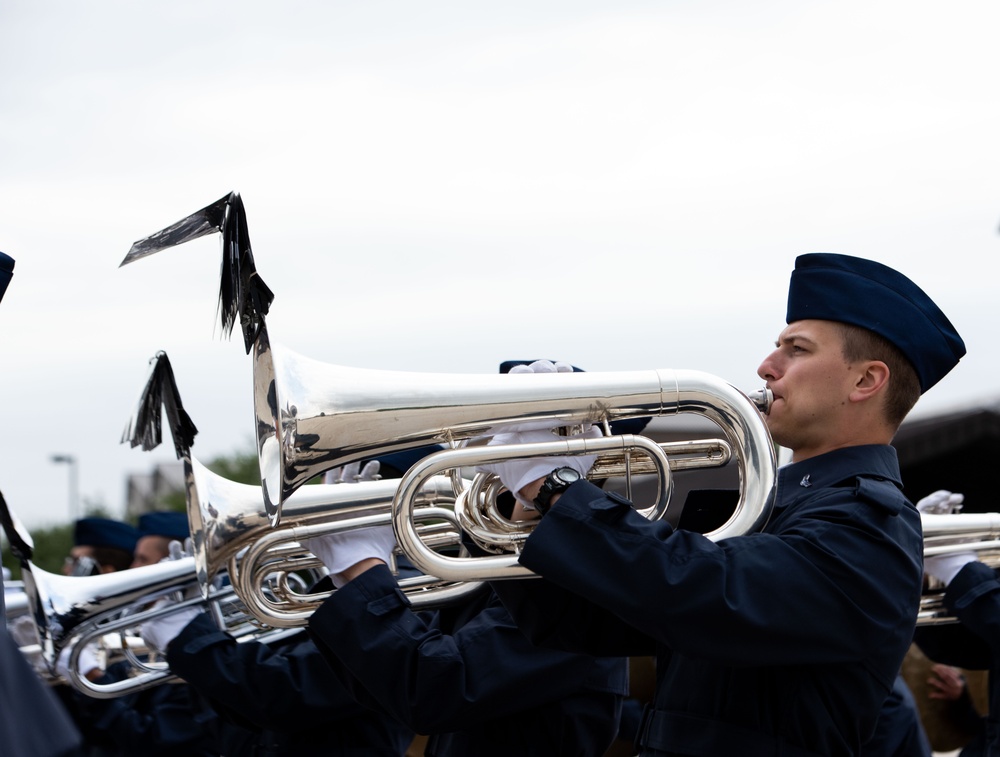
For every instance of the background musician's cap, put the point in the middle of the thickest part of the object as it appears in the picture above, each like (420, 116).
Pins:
(173, 525)
(104, 532)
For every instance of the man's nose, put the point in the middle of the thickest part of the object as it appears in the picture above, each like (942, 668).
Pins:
(768, 369)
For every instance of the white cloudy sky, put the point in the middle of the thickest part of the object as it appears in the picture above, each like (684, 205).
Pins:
(439, 186)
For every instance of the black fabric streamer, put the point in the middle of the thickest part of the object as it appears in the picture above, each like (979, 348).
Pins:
(243, 295)
(144, 428)
(20, 546)
(242, 290)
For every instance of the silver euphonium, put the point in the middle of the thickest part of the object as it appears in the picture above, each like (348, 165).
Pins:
(312, 416)
(74, 611)
(949, 533)
(106, 610)
(231, 530)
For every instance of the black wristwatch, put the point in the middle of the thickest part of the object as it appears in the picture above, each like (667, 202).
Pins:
(556, 482)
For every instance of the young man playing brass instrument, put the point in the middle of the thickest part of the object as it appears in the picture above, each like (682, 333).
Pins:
(786, 641)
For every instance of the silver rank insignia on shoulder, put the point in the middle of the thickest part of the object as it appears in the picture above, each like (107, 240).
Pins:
(805, 482)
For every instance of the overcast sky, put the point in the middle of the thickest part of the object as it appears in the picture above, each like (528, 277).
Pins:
(440, 186)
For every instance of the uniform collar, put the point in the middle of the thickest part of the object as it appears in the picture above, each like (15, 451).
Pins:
(832, 468)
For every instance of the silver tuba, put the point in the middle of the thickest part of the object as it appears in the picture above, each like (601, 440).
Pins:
(311, 417)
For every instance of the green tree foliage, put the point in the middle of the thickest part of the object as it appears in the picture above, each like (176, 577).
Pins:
(242, 467)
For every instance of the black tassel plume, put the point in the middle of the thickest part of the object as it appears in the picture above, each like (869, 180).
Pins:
(20, 543)
(243, 295)
(144, 427)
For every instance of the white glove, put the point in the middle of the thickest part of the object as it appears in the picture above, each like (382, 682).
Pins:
(941, 502)
(543, 366)
(515, 474)
(23, 630)
(178, 551)
(539, 366)
(87, 661)
(340, 551)
(349, 474)
(946, 567)
(159, 632)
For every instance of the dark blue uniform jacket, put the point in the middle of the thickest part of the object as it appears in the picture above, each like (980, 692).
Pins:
(782, 642)
(162, 721)
(899, 732)
(284, 694)
(466, 675)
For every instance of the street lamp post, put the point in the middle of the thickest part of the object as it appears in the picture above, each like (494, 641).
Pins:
(74, 485)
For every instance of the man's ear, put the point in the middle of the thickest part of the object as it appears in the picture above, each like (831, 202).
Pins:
(874, 379)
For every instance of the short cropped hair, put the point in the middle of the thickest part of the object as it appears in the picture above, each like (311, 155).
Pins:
(904, 383)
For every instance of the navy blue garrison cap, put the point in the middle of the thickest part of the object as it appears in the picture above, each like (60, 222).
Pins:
(173, 525)
(104, 532)
(6, 272)
(864, 293)
(621, 426)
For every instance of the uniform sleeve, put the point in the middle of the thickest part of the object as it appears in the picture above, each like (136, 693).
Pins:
(974, 598)
(953, 644)
(273, 688)
(607, 634)
(433, 681)
(164, 720)
(838, 579)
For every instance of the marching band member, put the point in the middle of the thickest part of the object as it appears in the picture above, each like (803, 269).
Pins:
(465, 676)
(156, 531)
(100, 545)
(275, 699)
(162, 720)
(786, 641)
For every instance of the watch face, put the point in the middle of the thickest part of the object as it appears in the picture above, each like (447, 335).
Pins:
(568, 475)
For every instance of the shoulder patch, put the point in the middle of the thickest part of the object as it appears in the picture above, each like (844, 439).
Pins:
(880, 492)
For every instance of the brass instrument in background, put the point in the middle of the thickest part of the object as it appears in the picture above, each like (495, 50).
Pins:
(71, 612)
(106, 610)
(230, 529)
(948, 533)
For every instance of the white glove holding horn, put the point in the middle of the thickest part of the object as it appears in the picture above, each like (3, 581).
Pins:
(517, 473)
(941, 502)
(339, 551)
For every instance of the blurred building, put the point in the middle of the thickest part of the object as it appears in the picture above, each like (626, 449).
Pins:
(146, 492)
